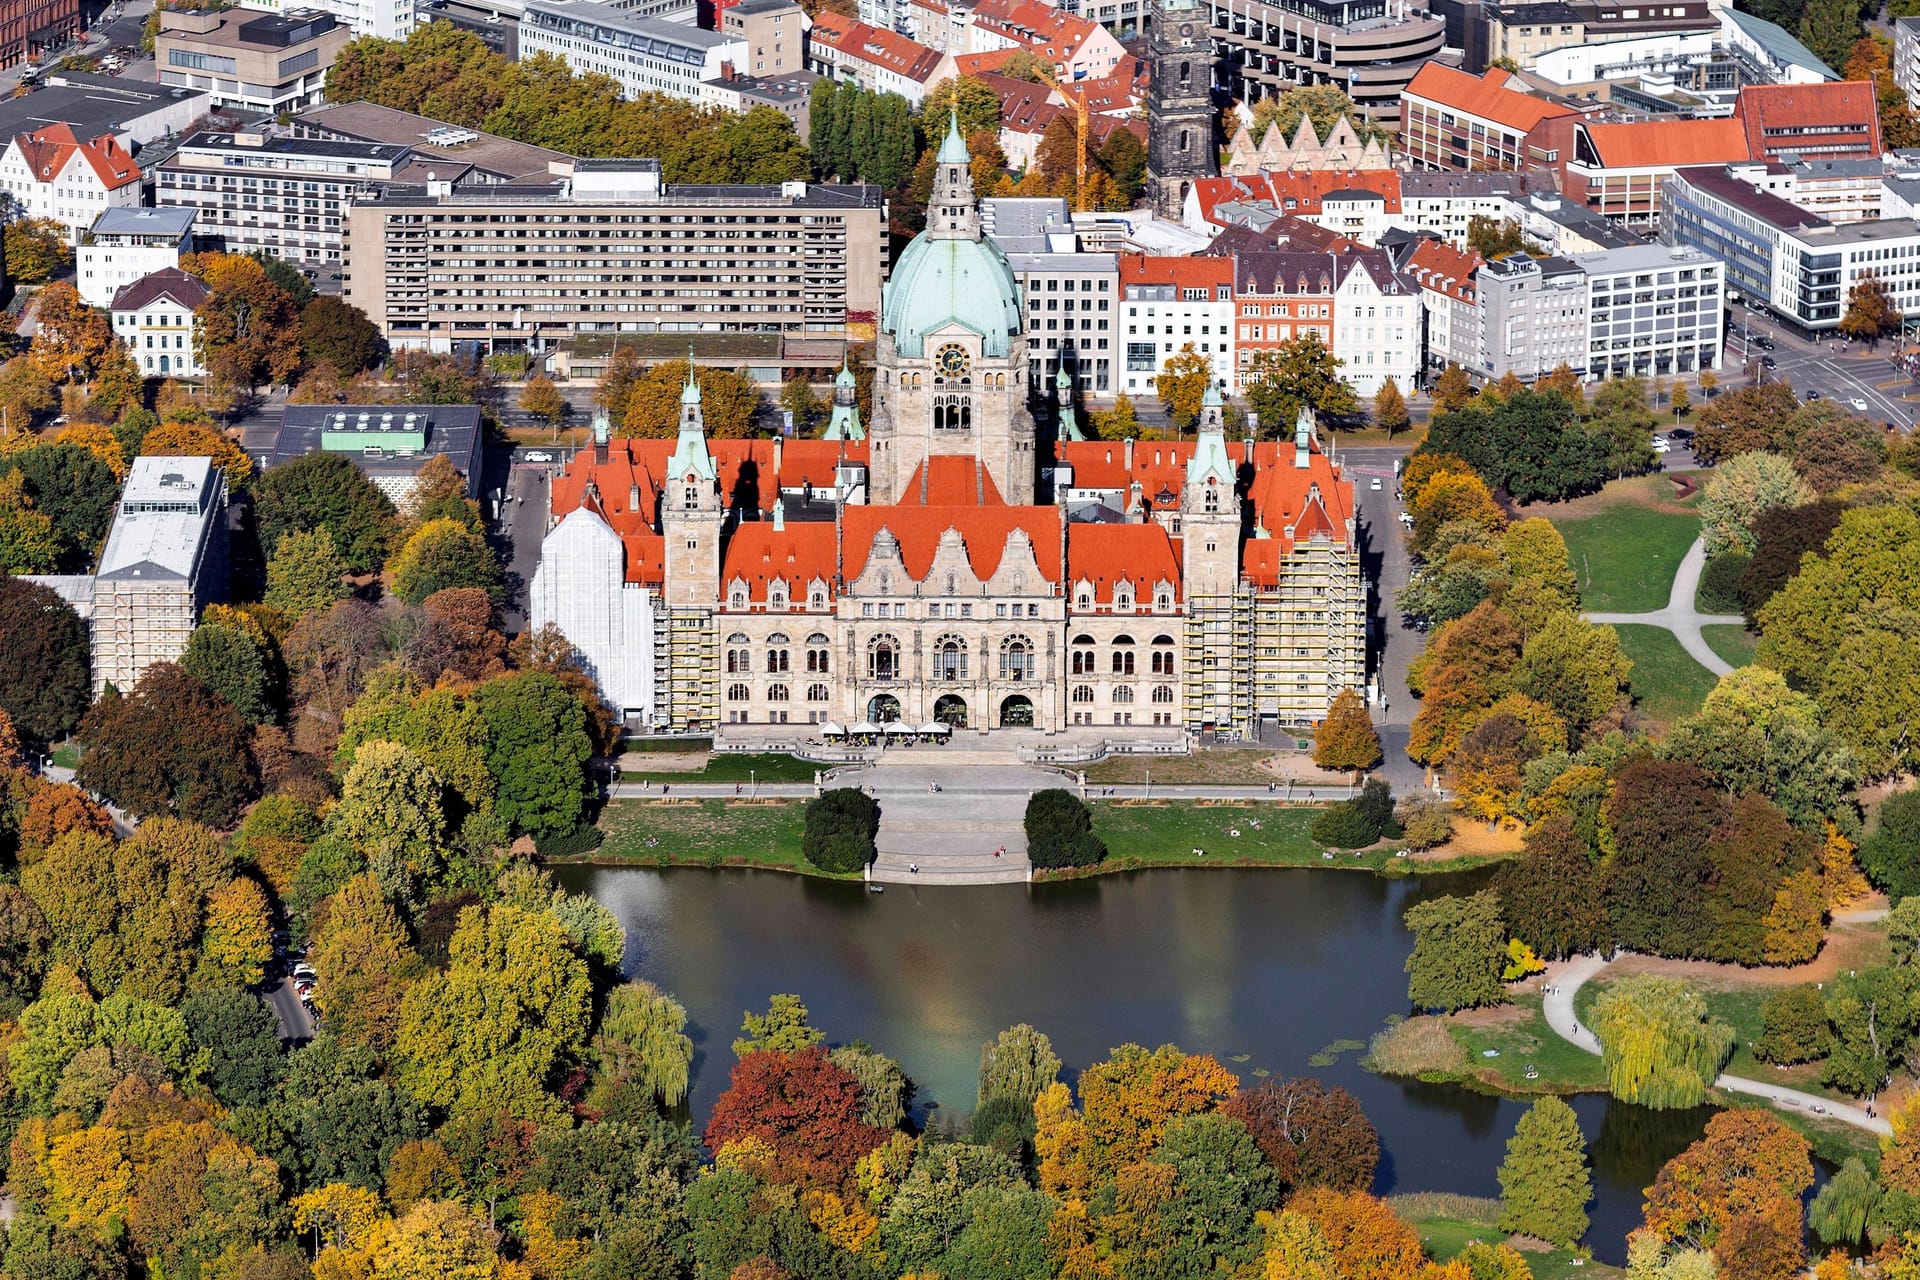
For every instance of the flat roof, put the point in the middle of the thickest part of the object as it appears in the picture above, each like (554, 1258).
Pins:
(430, 139)
(1764, 205)
(282, 145)
(143, 221)
(163, 542)
(1643, 257)
(91, 109)
(818, 195)
(607, 15)
(450, 429)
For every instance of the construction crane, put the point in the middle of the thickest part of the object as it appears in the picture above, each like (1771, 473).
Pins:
(1078, 101)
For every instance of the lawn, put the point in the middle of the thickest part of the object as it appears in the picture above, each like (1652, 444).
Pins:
(731, 767)
(1520, 1033)
(1735, 644)
(1221, 765)
(1626, 552)
(67, 754)
(1666, 682)
(711, 833)
(1444, 1237)
(1142, 835)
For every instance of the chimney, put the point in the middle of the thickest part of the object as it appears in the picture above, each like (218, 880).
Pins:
(1247, 455)
(602, 431)
(633, 497)
(779, 452)
(779, 515)
(1129, 455)
(1302, 434)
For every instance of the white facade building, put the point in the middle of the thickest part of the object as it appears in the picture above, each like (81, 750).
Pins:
(611, 626)
(643, 55)
(1378, 322)
(165, 558)
(1653, 310)
(154, 317)
(1166, 303)
(128, 244)
(50, 173)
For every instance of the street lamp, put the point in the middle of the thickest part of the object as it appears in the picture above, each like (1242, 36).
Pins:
(1149, 784)
(753, 785)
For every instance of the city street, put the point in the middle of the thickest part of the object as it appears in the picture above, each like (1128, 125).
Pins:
(522, 523)
(1837, 369)
(1387, 567)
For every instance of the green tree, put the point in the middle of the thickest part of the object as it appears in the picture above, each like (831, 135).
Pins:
(1182, 383)
(1497, 238)
(1303, 372)
(337, 333)
(1741, 488)
(884, 1087)
(74, 489)
(728, 402)
(1118, 423)
(1890, 854)
(783, 1028)
(236, 667)
(1873, 1014)
(1528, 443)
(1018, 1063)
(1059, 830)
(537, 751)
(797, 398)
(440, 554)
(1660, 1047)
(489, 1033)
(978, 102)
(45, 680)
(1793, 1027)
(326, 491)
(1839, 1213)
(1544, 1184)
(1207, 1226)
(1452, 389)
(28, 541)
(642, 1040)
(1324, 104)
(240, 1037)
(304, 574)
(37, 249)
(1459, 951)
(840, 826)
(389, 810)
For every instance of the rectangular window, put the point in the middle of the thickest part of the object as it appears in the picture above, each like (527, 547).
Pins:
(300, 62)
(200, 61)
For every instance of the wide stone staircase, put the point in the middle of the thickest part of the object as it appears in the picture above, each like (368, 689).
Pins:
(971, 831)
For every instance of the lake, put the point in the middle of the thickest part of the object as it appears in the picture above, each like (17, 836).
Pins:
(1273, 965)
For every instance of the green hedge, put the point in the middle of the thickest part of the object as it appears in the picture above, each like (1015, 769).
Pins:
(841, 824)
(1359, 822)
(1060, 831)
(579, 840)
(1720, 582)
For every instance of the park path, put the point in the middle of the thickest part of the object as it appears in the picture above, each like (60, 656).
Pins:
(1680, 616)
(1576, 973)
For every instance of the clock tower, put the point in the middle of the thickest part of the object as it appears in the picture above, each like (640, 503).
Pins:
(950, 369)
(1180, 113)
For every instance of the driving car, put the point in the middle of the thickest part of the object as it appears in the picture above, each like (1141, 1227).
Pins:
(1660, 445)
(1680, 434)
(1813, 395)
(1376, 484)
(539, 455)
(1858, 404)
(1766, 362)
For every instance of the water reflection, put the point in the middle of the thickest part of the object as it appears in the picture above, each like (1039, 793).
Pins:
(1261, 968)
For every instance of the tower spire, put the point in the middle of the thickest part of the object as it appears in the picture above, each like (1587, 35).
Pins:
(951, 212)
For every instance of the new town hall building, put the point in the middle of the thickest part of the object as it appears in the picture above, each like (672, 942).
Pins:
(950, 560)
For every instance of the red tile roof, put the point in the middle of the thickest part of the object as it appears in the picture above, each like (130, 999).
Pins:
(1042, 28)
(1437, 265)
(1810, 119)
(1106, 555)
(951, 481)
(985, 531)
(760, 555)
(1654, 144)
(1484, 96)
(47, 151)
(1187, 273)
(888, 49)
(1299, 191)
(1026, 107)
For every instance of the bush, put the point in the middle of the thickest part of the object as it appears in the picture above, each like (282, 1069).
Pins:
(584, 839)
(1060, 831)
(841, 825)
(1720, 582)
(1427, 822)
(1361, 821)
(1793, 1027)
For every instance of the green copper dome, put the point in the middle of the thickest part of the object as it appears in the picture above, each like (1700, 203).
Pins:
(958, 281)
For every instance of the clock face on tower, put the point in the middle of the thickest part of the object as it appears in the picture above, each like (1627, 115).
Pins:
(952, 361)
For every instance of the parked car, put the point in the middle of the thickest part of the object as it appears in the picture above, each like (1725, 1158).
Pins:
(539, 455)
(1813, 395)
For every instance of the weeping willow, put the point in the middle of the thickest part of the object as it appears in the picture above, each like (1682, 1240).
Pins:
(1660, 1048)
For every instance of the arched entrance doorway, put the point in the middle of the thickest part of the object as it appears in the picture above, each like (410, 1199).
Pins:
(1016, 713)
(952, 710)
(883, 708)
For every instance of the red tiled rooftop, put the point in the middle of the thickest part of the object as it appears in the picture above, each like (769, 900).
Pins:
(1484, 96)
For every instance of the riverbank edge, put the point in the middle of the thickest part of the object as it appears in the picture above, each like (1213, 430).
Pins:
(1391, 869)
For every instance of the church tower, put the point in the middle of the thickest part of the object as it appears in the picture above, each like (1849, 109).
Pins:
(1180, 111)
(691, 515)
(1210, 566)
(950, 368)
(845, 422)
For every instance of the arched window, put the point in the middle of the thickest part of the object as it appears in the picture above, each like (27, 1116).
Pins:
(1123, 693)
(1213, 493)
(1163, 597)
(1082, 661)
(952, 413)
(738, 600)
(1123, 655)
(1083, 597)
(1083, 693)
(739, 662)
(777, 596)
(736, 693)
(1162, 693)
(816, 693)
(1016, 658)
(1186, 140)
(817, 599)
(817, 653)
(777, 661)
(1186, 75)
(883, 658)
(1123, 597)
(777, 693)
(949, 658)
